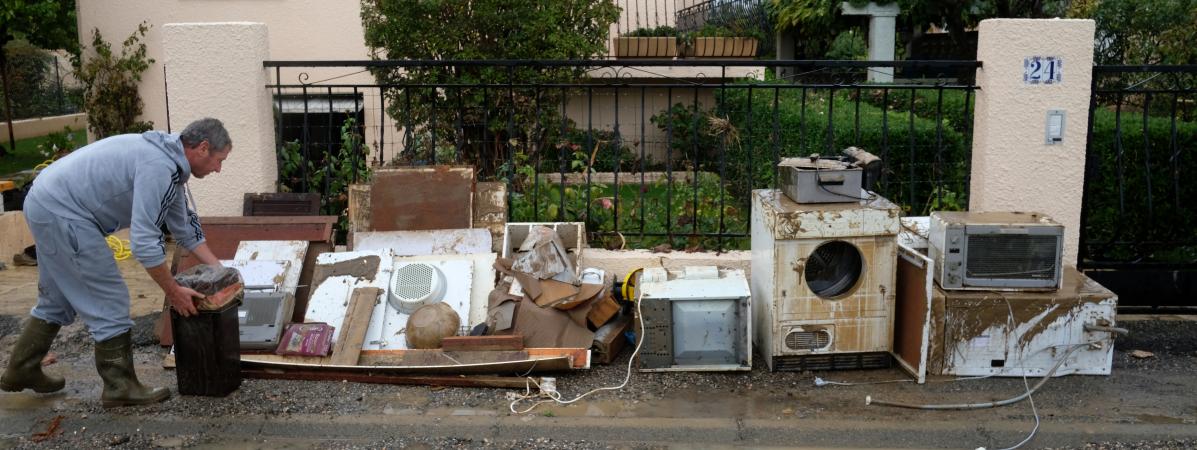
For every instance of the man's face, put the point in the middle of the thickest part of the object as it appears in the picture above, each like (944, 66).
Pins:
(208, 160)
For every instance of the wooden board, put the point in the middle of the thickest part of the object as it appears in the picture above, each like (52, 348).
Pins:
(478, 381)
(563, 361)
(353, 328)
(490, 210)
(609, 340)
(465, 343)
(422, 198)
(281, 204)
(304, 291)
(425, 242)
(913, 311)
(359, 208)
(224, 234)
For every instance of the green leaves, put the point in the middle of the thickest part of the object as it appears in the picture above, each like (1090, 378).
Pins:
(49, 24)
(480, 29)
(110, 82)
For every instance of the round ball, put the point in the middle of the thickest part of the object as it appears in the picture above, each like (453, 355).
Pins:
(429, 324)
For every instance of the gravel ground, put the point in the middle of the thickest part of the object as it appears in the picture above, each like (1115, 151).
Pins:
(754, 394)
(9, 325)
(1143, 445)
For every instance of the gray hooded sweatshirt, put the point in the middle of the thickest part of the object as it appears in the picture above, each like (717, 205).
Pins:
(133, 181)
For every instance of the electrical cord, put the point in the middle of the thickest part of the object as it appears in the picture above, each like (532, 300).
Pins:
(553, 396)
(966, 406)
(1028, 394)
(1026, 385)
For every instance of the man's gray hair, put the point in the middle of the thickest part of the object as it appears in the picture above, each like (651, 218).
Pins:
(206, 129)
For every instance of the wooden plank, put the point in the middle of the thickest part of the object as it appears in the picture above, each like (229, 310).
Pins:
(422, 198)
(478, 381)
(224, 234)
(467, 343)
(490, 210)
(281, 204)
(566, 359)
(609, 340)
(359, 207)
(304, 291)
(353, 329)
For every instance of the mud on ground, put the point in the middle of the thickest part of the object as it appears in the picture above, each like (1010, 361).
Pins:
(1151, 392)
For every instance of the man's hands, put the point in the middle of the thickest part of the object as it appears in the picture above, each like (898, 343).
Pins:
(182, 299)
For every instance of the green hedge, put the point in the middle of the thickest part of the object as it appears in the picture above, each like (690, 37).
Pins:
(1118, 207)
(748, 143)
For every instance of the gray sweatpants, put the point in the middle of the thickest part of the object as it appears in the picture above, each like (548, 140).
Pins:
(77, 275)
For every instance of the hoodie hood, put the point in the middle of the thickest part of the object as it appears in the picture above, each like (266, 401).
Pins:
(172, 147)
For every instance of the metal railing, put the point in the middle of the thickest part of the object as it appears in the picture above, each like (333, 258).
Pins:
(646, 152)
(39, 86)
(1138, 231)
(1143, 120)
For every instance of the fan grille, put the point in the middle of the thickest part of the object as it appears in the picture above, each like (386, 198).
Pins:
(413, 281)
(1012, 256)
(808, 340)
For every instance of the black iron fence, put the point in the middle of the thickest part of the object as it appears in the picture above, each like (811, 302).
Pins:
(40, 85)
(647, 153)
(1139, 233)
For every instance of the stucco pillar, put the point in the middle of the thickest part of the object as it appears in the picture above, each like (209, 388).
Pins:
(215, 70)
(883, 21)
(1014, 167)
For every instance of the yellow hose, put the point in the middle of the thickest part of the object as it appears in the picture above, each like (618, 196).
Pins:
(120, 248)
(43, 165)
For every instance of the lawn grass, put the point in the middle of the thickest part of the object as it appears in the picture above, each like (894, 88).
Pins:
(27, 154)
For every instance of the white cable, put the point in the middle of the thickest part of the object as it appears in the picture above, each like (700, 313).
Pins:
(1025, 383)
(555, 396)
(821, 382)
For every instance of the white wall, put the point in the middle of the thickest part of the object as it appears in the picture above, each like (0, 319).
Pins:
(1013, 169)
(219, 74)
(299, 30)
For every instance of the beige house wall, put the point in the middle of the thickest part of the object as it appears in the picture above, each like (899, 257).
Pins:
(1013, 169)
(27, 128)
(221, 75)
(299, 30)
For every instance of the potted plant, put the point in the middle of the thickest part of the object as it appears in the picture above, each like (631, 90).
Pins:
(712, 41)
(657, 42)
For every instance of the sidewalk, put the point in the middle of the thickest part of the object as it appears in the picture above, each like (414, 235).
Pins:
(1146, 403)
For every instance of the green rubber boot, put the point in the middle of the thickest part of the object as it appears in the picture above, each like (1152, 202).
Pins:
(25, 364)
(114, 362)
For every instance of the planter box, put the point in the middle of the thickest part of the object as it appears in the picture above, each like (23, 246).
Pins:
(722, 47)
(645, 47)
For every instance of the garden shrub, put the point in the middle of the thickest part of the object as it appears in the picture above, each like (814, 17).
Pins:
(1142, 192)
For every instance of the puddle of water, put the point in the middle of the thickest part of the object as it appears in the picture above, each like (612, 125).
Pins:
(1159, 420)
(683, 406)
(393, 411)
(256, 444)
